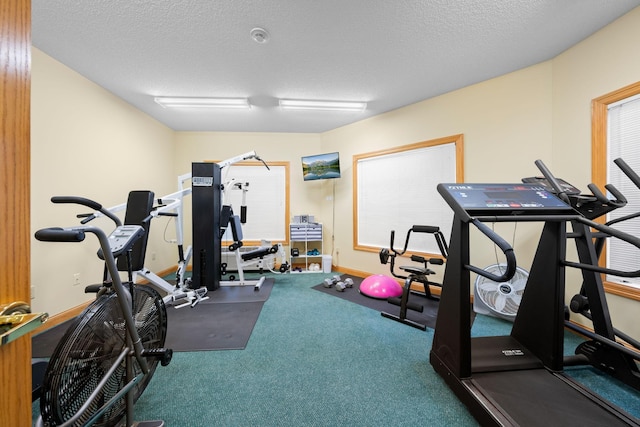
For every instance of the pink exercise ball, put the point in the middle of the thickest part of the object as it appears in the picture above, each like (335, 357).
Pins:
(380, 286)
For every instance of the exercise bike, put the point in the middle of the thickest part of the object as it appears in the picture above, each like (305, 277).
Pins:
(108, 355)
(415, 273)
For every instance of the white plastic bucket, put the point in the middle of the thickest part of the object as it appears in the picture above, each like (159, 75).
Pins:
(326, 263)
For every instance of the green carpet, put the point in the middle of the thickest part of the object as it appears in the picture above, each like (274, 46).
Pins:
(317, 360)
(312, 360)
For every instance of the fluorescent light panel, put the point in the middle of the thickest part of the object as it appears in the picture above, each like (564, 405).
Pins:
(299, 104)
(193, 102)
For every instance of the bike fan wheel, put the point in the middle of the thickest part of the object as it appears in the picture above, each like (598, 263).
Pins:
(89, 348)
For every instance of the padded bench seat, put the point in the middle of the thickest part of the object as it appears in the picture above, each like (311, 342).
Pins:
(259, 253)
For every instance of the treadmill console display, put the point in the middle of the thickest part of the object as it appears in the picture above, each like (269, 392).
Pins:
(502, 199)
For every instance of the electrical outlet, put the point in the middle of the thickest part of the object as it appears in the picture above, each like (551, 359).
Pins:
(76, 279)
(153, 256)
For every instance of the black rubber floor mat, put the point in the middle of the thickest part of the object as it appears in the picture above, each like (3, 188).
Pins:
(427, 317)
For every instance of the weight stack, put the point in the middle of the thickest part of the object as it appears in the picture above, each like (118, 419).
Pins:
(206, 205)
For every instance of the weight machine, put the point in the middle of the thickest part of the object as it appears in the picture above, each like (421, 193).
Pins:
(260, 258)
(211, 217)
(210, 220)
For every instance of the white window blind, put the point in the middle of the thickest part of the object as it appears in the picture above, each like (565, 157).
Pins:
(624, 142)
(266, 200)
(397, 191)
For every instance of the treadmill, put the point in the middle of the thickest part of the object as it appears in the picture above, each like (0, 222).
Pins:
(515, 380)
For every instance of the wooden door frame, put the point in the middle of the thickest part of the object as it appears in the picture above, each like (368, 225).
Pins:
(15, 219)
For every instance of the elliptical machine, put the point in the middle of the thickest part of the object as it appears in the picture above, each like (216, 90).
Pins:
(603, 350)
(415, 273)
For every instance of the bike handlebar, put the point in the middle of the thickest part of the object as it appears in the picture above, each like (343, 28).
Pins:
(430, 229)
(58, 234)
(90, 204)
(78, 201)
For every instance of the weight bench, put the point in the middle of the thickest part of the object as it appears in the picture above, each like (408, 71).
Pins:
(261, 252)
(255, 257)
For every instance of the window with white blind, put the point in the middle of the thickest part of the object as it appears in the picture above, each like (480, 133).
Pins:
(266, 198)
(615, 133)
(623, 135)
(395, 189)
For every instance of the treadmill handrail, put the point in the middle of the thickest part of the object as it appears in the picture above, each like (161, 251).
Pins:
(506, 248)
(613, 233)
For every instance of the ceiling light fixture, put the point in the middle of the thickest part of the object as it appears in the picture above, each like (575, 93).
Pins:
(194, 102)
(299, 104)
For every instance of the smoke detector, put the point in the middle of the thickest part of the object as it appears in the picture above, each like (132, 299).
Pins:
(259, 35)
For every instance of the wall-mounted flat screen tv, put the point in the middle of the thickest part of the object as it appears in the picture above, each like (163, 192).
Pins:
(321, 166)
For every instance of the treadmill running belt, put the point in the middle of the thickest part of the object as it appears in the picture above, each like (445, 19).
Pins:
(537, 397)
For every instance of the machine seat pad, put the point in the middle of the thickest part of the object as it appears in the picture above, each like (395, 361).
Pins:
(418, 271)
(259, 253)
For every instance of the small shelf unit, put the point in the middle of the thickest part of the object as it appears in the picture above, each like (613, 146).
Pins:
(307, 239)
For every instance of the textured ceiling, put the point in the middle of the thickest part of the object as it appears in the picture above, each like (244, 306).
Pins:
(389, 53)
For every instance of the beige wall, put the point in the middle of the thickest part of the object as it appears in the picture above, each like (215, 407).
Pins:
(506, 124)
(540, 112)
(87, 142)
(604, 62)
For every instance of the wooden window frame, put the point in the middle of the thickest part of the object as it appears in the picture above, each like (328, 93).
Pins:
(457, 140)
(599, 164)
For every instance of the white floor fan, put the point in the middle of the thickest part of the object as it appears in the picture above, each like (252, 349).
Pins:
(499, 299)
